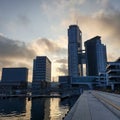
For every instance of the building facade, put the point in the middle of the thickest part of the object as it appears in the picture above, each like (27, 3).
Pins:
(13, 80)
(113, 71)
(74, 48)
(96, 58)
(41, 69)
(41, 75)
(10, 75)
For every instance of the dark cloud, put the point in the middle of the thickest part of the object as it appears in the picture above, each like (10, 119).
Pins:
(109, 20)
(63, 69)
(106, 24)
(15, 49)
(110, 23)
(50, 46)
(15, 53)
(61, 61)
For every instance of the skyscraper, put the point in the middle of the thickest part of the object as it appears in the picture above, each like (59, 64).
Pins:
(74, 48)
(96, 58)
(41, 69)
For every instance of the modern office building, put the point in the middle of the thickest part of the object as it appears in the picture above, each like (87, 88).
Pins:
(96, 58)
(74, 49)
(41, 74)
(42, 69)
(12, 75)
(113, 70)
(14, 79)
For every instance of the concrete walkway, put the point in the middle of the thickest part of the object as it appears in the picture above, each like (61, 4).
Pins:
(90, 107)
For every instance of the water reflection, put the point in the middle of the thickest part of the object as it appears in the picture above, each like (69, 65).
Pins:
(36, 109)
(47, 109)
(57, 111)
(15, 109)
(10, 106)
(40, 109)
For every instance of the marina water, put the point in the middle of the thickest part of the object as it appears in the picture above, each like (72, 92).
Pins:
(35, 109)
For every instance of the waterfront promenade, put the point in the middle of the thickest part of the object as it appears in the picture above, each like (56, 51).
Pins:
(95, 105)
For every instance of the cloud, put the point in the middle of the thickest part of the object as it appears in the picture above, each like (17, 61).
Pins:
(62, 61)
(15, 49)
(104, 23)
(14, 53)
(5, 62)
(1, 34)
(51, 48)
(63, 69)
(108, 26)
(48, 47)
(59, 6)
(103, 2)
(61, 66)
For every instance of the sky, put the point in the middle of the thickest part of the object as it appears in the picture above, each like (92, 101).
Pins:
(30, 28)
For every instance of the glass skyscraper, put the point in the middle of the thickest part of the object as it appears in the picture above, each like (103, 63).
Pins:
(74, 48)
(96, 58)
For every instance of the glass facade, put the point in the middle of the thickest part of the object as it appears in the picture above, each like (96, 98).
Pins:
(96, 59)
(41, 69)
(14, 75)
(113, 70)
(74, 47)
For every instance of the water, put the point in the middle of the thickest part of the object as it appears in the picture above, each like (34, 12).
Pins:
(36, 109)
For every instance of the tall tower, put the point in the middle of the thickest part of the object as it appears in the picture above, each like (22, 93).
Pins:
(74, 48)
(96, 58)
